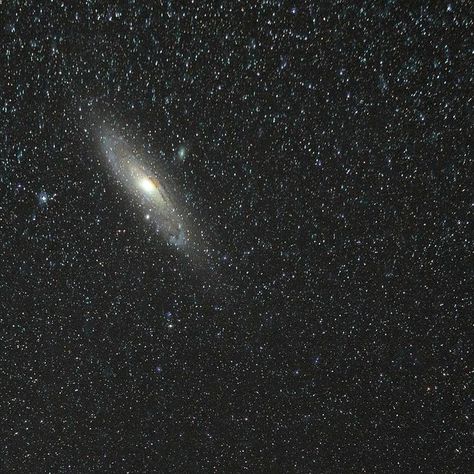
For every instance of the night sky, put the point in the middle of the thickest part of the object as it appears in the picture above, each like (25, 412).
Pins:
(321, 153)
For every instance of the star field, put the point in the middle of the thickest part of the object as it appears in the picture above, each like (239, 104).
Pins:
(321, 153)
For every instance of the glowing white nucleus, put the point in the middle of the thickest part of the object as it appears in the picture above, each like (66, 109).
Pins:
(147, 185)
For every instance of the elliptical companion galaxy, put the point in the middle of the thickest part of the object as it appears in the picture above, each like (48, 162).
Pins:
(150, 191)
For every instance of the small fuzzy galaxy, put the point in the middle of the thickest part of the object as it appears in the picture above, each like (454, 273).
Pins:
(236, 237)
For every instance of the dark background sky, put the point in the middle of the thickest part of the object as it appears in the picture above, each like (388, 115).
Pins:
(327, 156)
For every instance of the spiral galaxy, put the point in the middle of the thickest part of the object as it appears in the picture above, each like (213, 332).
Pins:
(130, 169)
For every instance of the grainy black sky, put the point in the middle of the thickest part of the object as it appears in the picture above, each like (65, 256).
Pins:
(323, 149)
